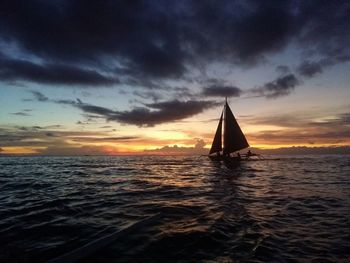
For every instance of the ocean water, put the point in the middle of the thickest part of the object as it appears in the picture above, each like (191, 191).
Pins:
(296, 209)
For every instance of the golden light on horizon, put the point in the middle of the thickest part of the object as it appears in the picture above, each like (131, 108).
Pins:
(21, 149)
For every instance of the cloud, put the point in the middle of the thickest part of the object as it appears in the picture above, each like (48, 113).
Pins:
(300, 120)
(197, 149)
(32, 136)
(162, 112)
(21, 113)
(150, 115)
(39, 96)
(221, 91)
(48, 73)
(54, 141)
(94, 139)
(148, 95)
(301, 136)
(58, 141)
(199, 144)
(279, 87)
(50, 134)
(283, 69)
(301, 128)
(311, 68)
(142, 42)
(94, 109)
(303, 150)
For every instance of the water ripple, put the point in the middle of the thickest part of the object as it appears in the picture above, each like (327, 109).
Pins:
(292, 210)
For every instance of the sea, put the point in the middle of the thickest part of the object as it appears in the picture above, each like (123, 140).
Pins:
(293, 209)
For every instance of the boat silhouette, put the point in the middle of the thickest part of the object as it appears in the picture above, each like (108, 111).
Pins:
(229, 140)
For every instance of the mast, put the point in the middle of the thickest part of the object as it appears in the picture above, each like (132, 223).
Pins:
(225, 125)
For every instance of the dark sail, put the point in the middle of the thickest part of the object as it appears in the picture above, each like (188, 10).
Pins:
(234, 139)
(217, 142)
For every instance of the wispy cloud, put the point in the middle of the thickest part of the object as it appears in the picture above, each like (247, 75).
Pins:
(279, 87)
(21, 113)
(105, 139)
(298, 128)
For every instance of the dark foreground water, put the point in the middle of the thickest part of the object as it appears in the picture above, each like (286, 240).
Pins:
(296, 209)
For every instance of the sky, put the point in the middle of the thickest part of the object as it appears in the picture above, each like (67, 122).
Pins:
(151, 77)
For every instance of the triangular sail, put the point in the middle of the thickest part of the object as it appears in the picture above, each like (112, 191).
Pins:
(217, 142)
(234, 139)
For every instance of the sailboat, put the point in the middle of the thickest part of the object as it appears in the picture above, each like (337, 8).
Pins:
(232, 135)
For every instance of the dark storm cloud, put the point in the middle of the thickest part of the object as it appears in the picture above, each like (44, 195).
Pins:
(139, 35)
(48, 73)
(281, 86)
(221, 91)
(140, 42)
